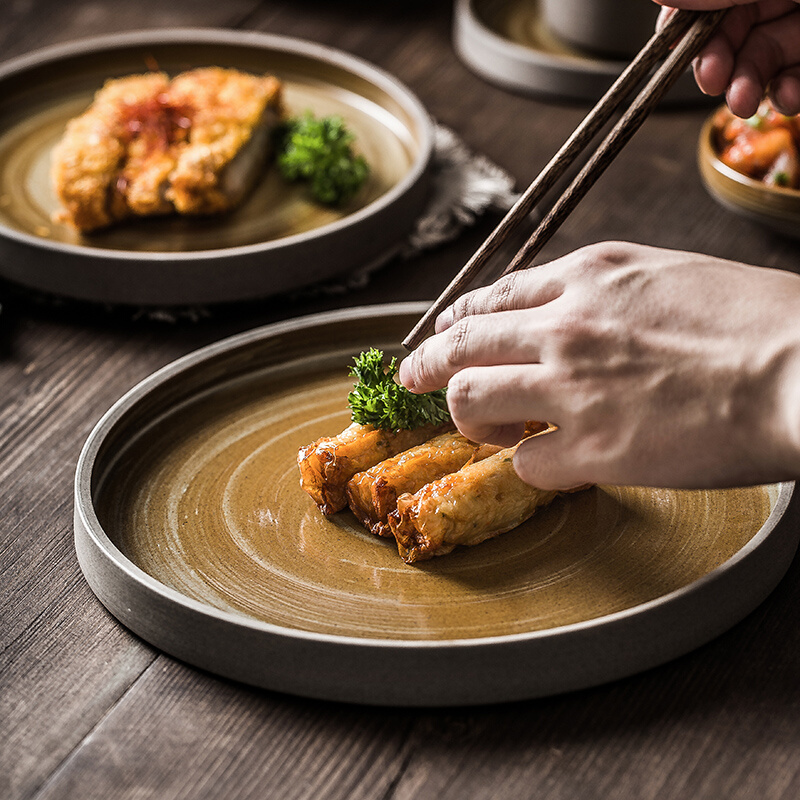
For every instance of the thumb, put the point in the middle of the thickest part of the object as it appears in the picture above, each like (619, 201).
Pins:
(546, 462)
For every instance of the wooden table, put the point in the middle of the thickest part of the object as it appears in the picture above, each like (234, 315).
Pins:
(87, 710)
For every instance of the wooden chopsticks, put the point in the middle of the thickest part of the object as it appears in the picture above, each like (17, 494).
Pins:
(703, 23)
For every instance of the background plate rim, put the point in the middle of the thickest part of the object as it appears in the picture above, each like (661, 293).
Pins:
(236, 271)
(183, 35)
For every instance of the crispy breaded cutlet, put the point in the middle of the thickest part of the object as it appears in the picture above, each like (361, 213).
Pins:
(149, 145)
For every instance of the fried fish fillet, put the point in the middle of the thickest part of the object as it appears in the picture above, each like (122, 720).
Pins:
(149, 145)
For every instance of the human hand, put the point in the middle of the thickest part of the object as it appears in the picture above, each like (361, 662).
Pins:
(755, 50)
(660, 368)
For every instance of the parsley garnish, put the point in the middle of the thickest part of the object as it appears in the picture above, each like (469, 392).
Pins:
(756, 121)
(319, 152)
(379, 401)
(781, 178)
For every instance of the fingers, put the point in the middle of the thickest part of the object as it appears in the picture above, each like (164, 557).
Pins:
(506, 323)
(785, 92)
(713, 68)
(490, 404)
(769, 49)
(540, 285)
(547, 462)
(744, 93)
(757, 44)
(507, 337)
(524, 289)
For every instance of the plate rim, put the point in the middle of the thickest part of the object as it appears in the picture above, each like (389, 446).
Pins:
(86, 515)
(581, 78)
(209, 35)
(469, 17)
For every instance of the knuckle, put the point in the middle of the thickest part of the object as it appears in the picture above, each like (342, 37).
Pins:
(502, 295)
(605, 255)
(458, 341)
(504, 292)
(770, 56)
(460, 394)
(422, 367)
(571, 329)
(466, 305)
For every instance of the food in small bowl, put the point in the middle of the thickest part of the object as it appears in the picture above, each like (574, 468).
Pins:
(752, 166)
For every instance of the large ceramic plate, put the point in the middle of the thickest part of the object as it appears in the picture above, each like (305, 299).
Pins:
(192, 529)
(278, 240)
(508, 43)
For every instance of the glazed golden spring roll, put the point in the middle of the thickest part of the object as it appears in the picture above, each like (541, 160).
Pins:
(481, 500)
(372, 494)
(328, 464)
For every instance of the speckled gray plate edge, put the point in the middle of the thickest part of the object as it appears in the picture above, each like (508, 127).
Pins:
(543, 74)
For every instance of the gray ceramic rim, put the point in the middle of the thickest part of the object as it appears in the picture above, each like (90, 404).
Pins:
(523, 69)
(410, 185)
(458, 671)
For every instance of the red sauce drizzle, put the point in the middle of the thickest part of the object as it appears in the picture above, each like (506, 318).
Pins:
(156, 121)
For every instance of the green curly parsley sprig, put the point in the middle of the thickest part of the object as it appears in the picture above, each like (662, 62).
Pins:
(319, 153)
(379, 401)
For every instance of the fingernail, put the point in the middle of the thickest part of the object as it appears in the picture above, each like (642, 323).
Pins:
(697, 65)
(444, 320)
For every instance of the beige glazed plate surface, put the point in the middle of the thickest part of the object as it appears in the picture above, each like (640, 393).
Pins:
(277, 240)
(192, 528)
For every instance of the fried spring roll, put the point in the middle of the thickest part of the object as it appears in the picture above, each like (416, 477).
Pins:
(481, 500)
(372, 494)
(328, 464)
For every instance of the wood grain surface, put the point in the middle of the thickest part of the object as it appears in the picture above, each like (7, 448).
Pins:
(89, 711)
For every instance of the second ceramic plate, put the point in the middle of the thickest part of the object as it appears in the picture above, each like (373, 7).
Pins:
(191, 527)
(508, 43)
(276, 241)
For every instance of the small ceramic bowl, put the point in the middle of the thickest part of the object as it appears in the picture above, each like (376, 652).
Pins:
(775, 207)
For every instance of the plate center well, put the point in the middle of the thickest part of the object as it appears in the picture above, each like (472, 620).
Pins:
(207, 501)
